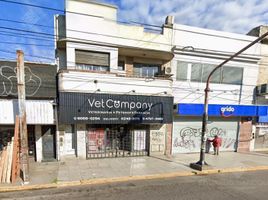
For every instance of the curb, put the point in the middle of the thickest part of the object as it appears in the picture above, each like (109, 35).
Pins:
(129, 178)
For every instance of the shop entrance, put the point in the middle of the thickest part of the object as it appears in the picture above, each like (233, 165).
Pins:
(48, 143)
(116, 142)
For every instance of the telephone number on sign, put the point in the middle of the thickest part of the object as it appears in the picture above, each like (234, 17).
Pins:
(86, 118)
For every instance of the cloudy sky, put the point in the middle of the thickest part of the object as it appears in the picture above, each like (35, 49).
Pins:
(238, 16)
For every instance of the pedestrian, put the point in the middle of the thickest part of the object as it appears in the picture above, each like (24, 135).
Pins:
(216, 142)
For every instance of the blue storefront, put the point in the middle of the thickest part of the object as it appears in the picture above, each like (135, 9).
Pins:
(227, 121)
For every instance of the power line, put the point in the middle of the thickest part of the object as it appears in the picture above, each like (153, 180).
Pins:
(77, 13)
(51, 27)
(52, 36)
(22, 36)
(10, 52)
(83, 40)
(21, 43)
(145, 24)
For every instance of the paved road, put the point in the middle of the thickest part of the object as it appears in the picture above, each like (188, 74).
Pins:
(237, 186)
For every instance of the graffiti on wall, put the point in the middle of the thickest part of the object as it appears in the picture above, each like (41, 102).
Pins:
(190, 138)
(40, 79)
(8, 79)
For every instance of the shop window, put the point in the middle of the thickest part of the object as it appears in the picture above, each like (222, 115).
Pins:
(182, 68)
(93, 61)
(146, 70)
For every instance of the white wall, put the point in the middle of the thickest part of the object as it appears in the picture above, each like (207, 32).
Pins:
(81, 140)
(108, 83)
(38, 143)
(200, 38)
(105, 29)
(37, 111)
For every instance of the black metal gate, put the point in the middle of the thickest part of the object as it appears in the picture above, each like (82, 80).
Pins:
(103, 143)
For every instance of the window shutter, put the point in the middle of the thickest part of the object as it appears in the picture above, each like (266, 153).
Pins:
(92, 58)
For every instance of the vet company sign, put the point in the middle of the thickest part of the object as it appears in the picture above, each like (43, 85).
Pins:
(114, 109)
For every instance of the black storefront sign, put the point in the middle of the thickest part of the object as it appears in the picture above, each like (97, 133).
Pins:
(114, 109)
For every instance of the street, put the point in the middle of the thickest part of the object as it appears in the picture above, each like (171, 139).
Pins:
(238, 186)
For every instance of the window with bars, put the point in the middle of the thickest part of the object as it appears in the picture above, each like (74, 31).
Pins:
(93, 61)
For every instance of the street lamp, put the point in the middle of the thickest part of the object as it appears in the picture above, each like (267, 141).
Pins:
(201, 164)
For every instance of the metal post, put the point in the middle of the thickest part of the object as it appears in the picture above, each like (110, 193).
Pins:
(201, 163)
(22, 115)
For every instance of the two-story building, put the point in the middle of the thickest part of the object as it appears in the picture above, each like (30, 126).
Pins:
(114, 86)
(231, 98)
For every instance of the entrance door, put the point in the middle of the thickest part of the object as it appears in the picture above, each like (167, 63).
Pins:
(95, 143)
(69, 140)
(48, 143)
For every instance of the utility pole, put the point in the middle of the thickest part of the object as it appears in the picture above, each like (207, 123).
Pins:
(22, 115)
(201, 164)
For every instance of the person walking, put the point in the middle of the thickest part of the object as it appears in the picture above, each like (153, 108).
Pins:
(216, 142)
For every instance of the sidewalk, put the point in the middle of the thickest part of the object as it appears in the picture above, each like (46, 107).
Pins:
(75, 171)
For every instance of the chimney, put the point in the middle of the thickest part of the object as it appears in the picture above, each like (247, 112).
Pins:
(169, 21)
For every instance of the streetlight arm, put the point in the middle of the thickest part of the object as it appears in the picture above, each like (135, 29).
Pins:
(201, 161)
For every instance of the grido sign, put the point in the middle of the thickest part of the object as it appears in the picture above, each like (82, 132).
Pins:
(114, 109)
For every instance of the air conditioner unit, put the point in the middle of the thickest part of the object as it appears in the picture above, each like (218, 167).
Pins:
(262, 89)
(168, 70)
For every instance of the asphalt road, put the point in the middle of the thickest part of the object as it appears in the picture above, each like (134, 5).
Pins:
(229, 186)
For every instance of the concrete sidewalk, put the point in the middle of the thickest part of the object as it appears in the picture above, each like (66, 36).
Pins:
(75, 171)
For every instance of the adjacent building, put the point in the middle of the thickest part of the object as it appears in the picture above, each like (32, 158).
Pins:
(231, 98)
(260, 142)
(40, 81)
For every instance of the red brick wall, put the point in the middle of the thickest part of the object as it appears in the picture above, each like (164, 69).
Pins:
(244, 136)
(169, 139)
(129, 66)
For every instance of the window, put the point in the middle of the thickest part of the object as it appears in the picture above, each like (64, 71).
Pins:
(182, 68)
(207, 69)
(121, 65)
(199, 72)
(146, 70)
(196, 72)
(88, 60)
(232, 75)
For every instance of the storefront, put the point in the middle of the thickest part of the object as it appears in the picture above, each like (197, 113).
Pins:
(39, 117)
(94, 125)
(233, 123)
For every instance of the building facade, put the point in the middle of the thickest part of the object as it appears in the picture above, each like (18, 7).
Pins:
(260, 127)
(40, 84)
(114, 95)
(231, 98)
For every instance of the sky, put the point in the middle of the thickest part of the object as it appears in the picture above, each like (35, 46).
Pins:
(237, 16)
